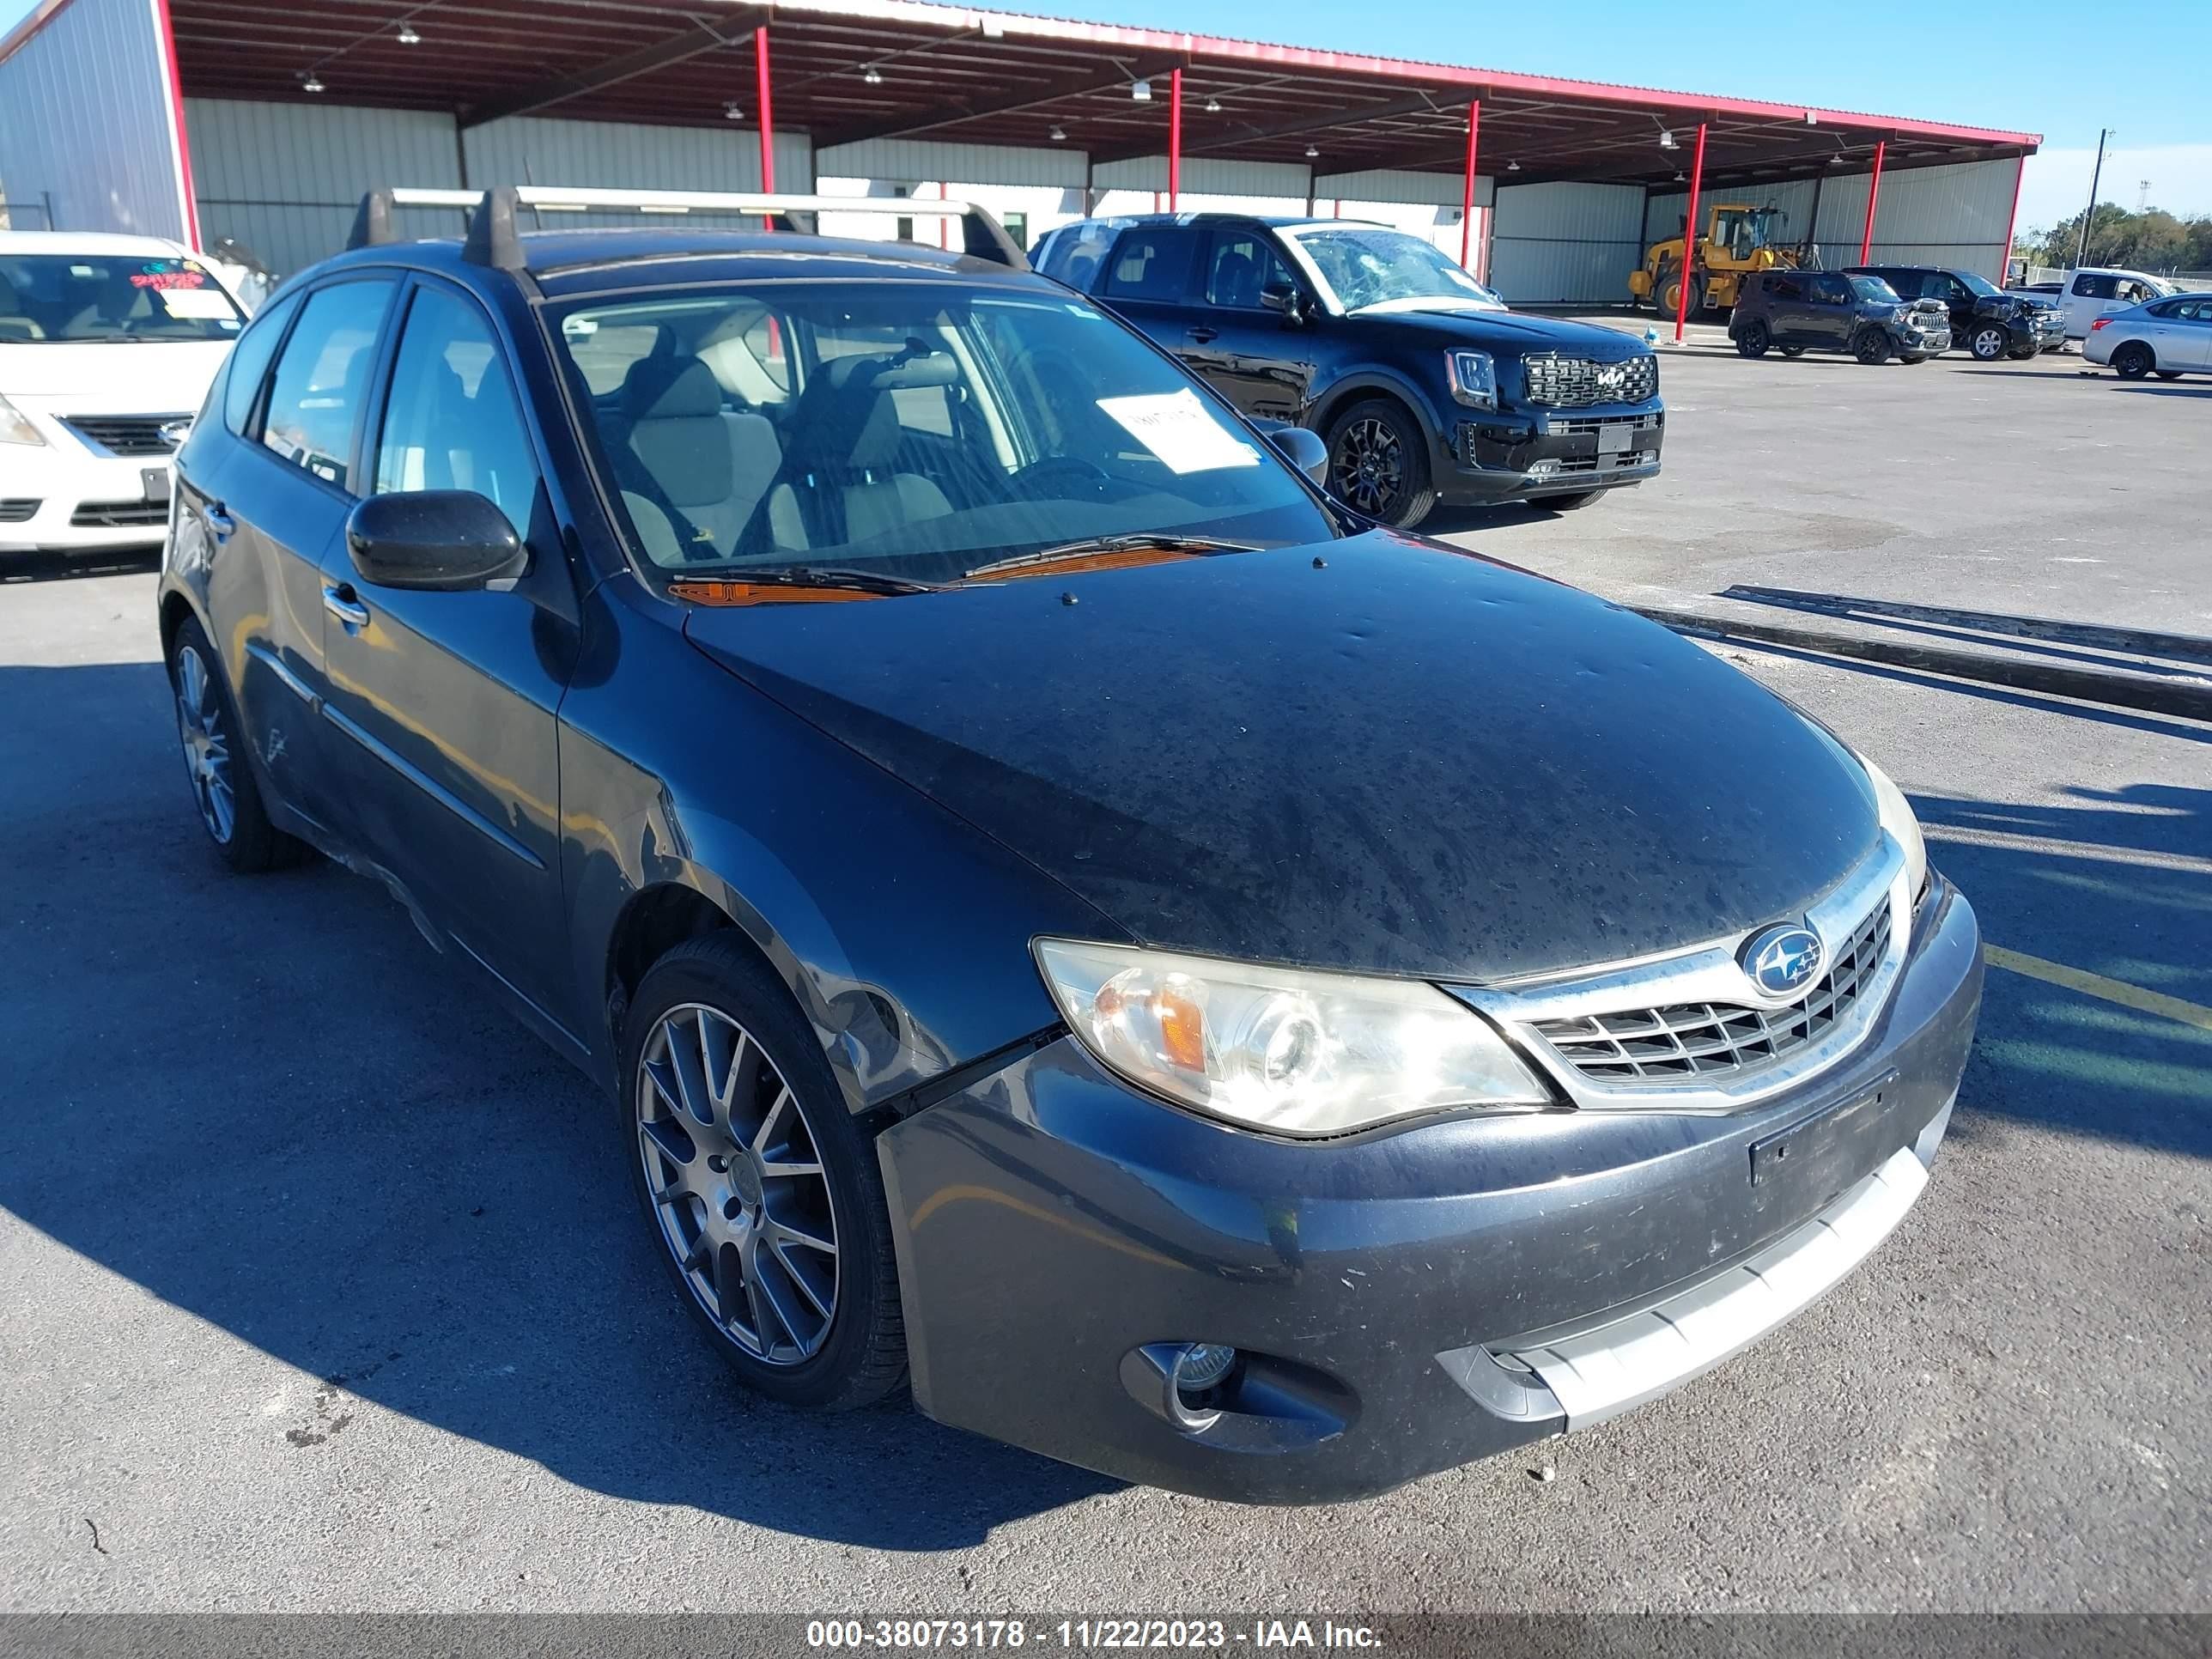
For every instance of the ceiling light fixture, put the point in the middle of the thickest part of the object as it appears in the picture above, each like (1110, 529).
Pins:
(1141, 91)
(734, 112)
(1057, 135)
(1513, 166)
(310, 82)
(408, 36)
(1837, 160)
(1313, 152)
(874, 77)
(1667, 139)
(1213, 106)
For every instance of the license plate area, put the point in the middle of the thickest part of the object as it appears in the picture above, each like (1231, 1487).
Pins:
(1616, 440)
(1817, 1137)
(156, 481)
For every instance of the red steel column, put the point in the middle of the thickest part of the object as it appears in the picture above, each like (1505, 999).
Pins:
(1175, 139)
(188, 203)
(1874, 191)
(1467, 186)
(767, 110)
(2012, 223)
(1689, 238)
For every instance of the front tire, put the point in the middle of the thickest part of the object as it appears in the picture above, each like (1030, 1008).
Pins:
(1378, 463)
(1871, 347)
(766, 1198)
(1793, 351)
(2133, 360)
(1988, 343)
(1573, 503)
(216, 761)
(1753, 340)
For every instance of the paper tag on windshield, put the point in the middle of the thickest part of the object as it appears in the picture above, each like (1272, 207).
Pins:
(1181, 431)
(202, 304)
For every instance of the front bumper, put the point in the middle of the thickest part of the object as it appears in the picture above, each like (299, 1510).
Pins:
(1406, 1300)
(1525, 456)
(58, 496)
(1923, 343)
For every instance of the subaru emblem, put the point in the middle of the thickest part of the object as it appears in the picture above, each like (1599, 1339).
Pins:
(1782, 960)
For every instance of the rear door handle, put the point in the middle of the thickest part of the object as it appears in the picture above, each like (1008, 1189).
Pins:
(342, 602)
(1204, 336)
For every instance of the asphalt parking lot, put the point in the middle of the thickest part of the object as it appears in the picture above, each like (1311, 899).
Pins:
(324, 1290)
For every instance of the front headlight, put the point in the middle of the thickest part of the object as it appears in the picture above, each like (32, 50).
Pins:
(16, 427)
(1474, 377)
(1904, 828)
(1279, 1048)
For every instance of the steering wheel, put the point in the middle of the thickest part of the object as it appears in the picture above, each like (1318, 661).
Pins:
(1037, 479)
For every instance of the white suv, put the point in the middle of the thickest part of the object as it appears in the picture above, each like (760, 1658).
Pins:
(107, 346)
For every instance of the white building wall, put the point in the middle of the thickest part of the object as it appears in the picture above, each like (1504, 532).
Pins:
(533, 149)
(86, 125)
(286, 179)
(1571, 244)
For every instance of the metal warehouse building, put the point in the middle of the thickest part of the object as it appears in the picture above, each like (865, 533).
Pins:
(266, 121)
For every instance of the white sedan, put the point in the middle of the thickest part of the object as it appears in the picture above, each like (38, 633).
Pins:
(2167, 337)
(107, 346)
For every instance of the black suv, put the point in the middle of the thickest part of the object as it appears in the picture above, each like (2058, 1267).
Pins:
(1985, 319)
(1426, 387)
(1802, 311)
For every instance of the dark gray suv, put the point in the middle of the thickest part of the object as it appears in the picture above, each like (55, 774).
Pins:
(1802, 311)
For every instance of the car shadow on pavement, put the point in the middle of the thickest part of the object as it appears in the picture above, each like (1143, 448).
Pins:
(324, 1138)
(72, 567)
(2167, 390)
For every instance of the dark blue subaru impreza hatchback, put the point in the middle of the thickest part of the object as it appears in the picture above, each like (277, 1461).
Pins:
(1072, 919)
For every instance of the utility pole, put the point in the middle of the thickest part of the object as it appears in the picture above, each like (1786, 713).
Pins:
(2081, 247)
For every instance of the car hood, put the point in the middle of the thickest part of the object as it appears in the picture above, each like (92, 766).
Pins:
(112, 377)
(1502, 333)
(1371, 754)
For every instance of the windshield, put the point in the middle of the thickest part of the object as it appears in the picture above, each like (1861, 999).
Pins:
(907, 430)
(80, 297)
(1873, 288)
(1981, 285)
(1356, 268)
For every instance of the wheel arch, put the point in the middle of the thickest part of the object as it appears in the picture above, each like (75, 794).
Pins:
(1374, 383)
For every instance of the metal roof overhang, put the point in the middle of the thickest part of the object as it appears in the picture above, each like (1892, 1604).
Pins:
(1004, 79)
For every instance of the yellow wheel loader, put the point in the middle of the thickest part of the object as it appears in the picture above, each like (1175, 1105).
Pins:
(1739, 238)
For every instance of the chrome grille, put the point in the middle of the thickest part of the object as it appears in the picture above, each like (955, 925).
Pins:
(120, 515)
(1578, 382)
(125, 434)
(18, 510)
(1684, 1041)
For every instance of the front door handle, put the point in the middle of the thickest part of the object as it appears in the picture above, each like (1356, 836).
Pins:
(1204, 336)
(342, 602)
(220, 521)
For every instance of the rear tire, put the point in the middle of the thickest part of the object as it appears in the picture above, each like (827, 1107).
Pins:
(219, 762)
(1753, 340)
(1793, 351)
(2169, 373)
(1871, 347)
(1573, 503)
(1378, 463)
(1913, 357)
(2133, 360)
(718, 1062)
(2025, 354)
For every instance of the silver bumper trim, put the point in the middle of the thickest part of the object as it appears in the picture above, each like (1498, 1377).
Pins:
(1621, 1366)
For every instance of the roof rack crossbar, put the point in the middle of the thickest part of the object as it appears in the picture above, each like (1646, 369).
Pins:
(492, 238)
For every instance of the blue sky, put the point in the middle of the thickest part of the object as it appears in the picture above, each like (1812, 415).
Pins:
(2063, 69)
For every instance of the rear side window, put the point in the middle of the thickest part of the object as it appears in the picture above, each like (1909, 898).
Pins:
(1782, 287)
(322, 378)
(1153, 264)
(249, 363)
(1071, 253)
(452, 420)
(2094, 288)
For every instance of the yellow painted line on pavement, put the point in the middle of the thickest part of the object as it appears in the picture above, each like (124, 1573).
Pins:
(2096, 985)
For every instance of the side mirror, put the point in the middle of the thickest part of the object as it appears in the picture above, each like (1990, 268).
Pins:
(1284, 298)
(1304, 450)
(446, 540)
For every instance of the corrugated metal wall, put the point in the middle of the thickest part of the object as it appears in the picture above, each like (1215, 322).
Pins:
(85, 123)
(1570, 244)
(1210, 176)
(1952, 215)
(1386, 184)
(285, 179)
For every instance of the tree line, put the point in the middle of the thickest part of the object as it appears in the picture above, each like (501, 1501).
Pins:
(2153, 240)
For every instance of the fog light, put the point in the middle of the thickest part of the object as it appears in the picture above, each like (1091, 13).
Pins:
(1202, 1365)
(1542, 468)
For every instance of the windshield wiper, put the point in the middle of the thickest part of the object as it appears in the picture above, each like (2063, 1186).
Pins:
(808, 575)
(1094, 545)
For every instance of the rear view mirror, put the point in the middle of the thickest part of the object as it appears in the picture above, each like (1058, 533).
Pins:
(440, 539)
(1304, 450)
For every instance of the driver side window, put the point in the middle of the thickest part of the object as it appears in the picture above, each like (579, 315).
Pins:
(1239, 268)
